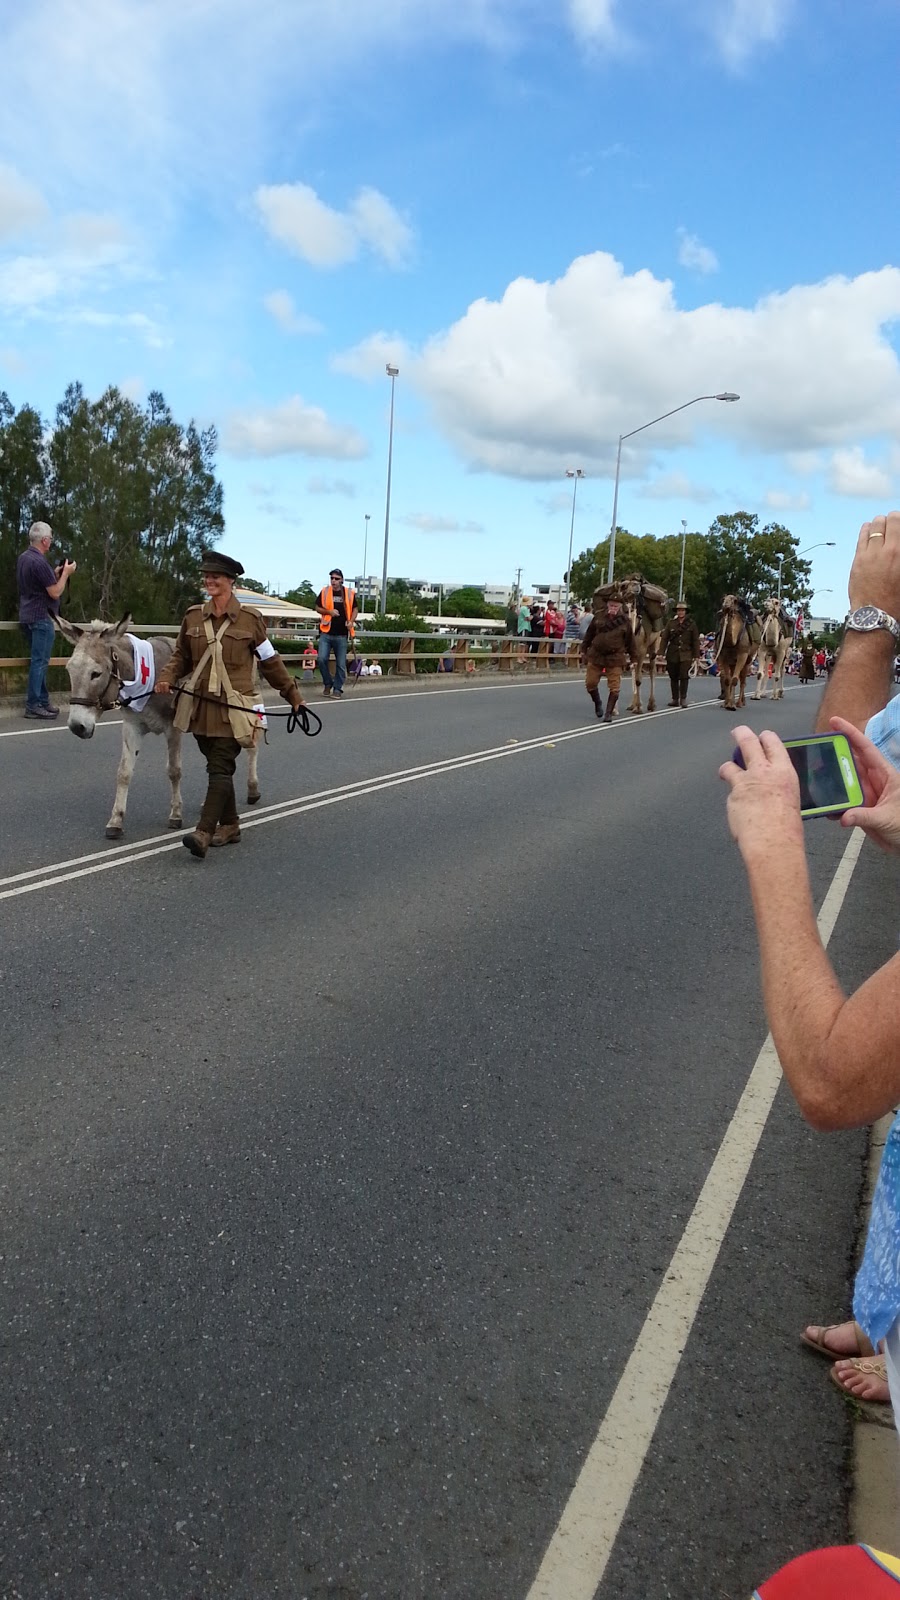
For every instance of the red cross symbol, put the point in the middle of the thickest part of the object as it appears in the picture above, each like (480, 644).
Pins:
(145, 672)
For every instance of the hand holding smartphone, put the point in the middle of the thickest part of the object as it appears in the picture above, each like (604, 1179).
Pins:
(829, 782)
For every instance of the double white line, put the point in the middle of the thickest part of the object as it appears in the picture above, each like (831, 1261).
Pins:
(125, 855)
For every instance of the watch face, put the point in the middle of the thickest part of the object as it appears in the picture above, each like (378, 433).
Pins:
(865, 617)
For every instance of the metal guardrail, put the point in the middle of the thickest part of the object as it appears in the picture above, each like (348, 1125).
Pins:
(507, 650)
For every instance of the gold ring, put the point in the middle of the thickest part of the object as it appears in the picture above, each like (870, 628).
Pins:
(876, 535)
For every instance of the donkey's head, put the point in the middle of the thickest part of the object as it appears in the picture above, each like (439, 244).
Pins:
(93, 670)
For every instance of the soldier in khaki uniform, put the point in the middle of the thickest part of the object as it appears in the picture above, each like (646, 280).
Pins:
(680, 644)
(609, 641)
(215, 651)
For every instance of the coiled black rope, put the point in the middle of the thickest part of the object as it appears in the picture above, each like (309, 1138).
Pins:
(301, 716)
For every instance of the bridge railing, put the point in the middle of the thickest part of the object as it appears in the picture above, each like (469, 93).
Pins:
(461, 653)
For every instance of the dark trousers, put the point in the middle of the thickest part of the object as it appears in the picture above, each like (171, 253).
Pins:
(39, 638)
(679, 672)
(220, 805)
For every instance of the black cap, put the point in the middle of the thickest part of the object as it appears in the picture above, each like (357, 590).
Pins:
(221, 566)
(335, 572)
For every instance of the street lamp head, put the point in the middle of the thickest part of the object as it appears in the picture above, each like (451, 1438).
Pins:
(574, 472)
(727, 396)
(391, 371)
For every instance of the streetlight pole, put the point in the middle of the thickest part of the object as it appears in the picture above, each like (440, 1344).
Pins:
(822, 545)
(392, 374)
(574, 473)
(726, 395)
(681, 573)
(364, 575)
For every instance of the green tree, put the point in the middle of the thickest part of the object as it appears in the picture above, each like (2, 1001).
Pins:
(303, 595)
(470, 602)
(21, 490)
(254, 585)
(744, 559)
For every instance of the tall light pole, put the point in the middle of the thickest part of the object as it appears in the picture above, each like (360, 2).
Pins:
(681, 573)
(574, 473)
(365, 552)
(392, 374)
(726, 395)
(822, 545)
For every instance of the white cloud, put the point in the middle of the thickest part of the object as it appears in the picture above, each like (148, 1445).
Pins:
(593, 22)
(427, 522)
(555, 371)
(695, 255)
(341, 486)
(292, 428)
(851, 474)
(93, 237)
(740, 27)
(787, 500)
(295, 216)
(22, 206)
(676, 486)
(369, 358)
(280, 305)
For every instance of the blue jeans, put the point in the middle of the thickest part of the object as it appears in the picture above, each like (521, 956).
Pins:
(339, 645)
(39, 638)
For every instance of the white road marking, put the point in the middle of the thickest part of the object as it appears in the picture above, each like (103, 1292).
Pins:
(127, 854)
(579, 1551)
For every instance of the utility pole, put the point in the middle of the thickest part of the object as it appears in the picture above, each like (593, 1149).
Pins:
(517, 587)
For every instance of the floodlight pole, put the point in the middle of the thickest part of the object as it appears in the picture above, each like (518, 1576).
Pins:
(574, 473)
(392, 374)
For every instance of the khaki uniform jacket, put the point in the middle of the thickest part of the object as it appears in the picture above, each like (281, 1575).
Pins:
(680, 641)
(247, 630)
(608, 642)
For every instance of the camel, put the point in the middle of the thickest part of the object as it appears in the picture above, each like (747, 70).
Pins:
(774, 644)
(644, 605)
(737, 635)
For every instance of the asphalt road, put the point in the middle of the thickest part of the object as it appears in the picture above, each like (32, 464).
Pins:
(340, 1170)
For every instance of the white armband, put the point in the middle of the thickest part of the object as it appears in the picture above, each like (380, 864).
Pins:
(266, 650)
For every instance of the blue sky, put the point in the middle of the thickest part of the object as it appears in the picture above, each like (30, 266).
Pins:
(559, 218)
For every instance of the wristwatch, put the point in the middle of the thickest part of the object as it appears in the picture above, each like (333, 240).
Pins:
(867, 619)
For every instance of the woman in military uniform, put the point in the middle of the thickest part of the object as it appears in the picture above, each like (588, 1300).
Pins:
(680, 644)
(215, 653)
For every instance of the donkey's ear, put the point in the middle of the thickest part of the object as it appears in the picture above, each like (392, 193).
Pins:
(69, 630)
(122, 626)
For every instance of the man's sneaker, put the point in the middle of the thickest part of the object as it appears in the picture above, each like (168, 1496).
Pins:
(49, 706)
(42, 713)
(325, 693)
(337, 694)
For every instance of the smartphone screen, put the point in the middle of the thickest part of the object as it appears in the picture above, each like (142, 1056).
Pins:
(819, 771)
(829, 783)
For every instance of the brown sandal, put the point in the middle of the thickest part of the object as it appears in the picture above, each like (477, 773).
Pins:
(863, 1347)
(866, 1366)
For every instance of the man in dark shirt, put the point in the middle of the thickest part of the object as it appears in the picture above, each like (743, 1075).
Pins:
(336, 606)
(607, 644)
(39, 589)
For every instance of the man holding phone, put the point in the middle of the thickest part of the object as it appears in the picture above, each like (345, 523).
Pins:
(40, 589)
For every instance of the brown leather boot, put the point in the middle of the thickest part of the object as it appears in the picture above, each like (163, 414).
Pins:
(598, 703)
(611, 708)
(197, 842)
(226, 833)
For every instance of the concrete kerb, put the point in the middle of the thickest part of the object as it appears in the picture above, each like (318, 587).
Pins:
(875, 1499)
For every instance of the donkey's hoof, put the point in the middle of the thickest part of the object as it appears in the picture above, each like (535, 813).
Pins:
(175, 822)
(114, 833)
(253, 795)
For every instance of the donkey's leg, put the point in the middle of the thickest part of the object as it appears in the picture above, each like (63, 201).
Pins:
(132, 738)
(253, 792)
(173, 770)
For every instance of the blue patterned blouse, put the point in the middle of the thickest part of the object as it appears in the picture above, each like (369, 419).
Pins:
(876, 1298)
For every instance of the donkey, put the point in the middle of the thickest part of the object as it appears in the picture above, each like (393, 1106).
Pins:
(774, 644)
(102, 661)
(737, 636)
(644, 605)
